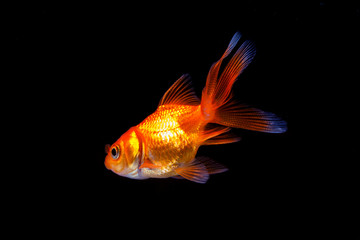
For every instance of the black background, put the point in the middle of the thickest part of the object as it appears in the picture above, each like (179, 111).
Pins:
(105, 67)
(141, 56)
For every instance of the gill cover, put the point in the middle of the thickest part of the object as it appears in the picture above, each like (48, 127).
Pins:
(133, 147)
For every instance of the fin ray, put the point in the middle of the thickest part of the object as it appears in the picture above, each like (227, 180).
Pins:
(242, 116)
(222, 139)
(194, 171)
(217, 135)
(217, 105)
(148, 164)
(212, 77)
(199, 169)
(217, 91)
(180, 93)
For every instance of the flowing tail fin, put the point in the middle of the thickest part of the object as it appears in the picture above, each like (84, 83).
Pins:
(216, 103)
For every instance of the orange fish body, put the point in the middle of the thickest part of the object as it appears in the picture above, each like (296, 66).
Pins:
(166, 142)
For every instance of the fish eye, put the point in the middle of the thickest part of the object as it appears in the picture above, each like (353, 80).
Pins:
(115, 152)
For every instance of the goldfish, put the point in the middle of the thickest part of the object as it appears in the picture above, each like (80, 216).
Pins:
(165, 143)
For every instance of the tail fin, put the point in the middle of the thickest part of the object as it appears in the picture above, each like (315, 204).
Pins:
(216, 103)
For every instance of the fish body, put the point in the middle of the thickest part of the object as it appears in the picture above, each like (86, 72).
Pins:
(166, 142)
(170, 136)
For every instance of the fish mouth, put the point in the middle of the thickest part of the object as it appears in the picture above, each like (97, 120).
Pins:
(107, 165)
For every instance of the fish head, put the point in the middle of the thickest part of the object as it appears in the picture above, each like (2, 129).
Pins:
(125, 155)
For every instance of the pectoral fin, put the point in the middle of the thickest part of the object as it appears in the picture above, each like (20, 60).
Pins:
(200, 169)
(148, 164)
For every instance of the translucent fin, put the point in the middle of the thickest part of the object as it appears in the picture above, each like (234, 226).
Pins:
(212, 77)
(199, 169)
(180, 93)
(237, 64)
(212, 166)
(222, 139)
(194, 171)
(217, 105)
(217, 135)
(212, 132)
(243, 116)
(217, 90)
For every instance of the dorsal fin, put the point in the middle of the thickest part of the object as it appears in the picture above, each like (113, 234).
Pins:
(180, 93)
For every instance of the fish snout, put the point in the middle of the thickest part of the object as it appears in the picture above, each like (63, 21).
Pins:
(108, 163)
